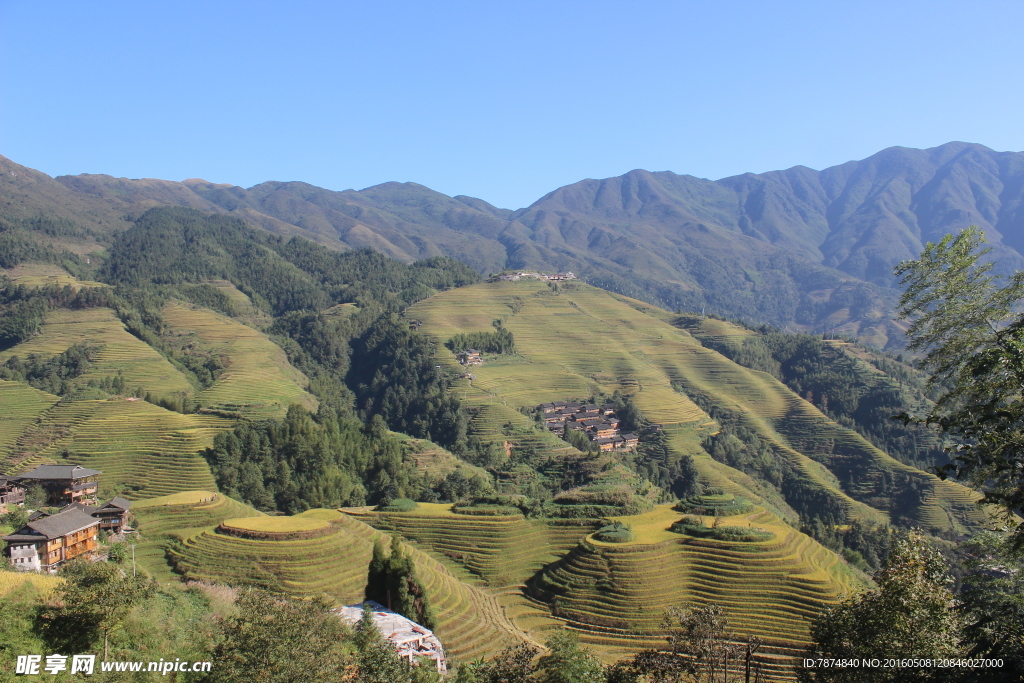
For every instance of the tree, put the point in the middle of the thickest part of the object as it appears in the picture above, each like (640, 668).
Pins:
(95, 599)
(376, 659)
(992, 604)
(35, 497)
(568, 662)
(514, 664)
(911, 614)
(967, 320)
(700, 649)
(276, 640)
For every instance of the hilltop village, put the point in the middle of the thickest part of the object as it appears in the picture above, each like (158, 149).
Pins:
(545, 277)
(598, 423)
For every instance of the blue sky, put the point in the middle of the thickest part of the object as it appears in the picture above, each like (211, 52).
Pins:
(500, 100)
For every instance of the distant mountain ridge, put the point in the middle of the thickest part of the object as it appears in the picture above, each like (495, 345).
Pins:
(804, 249)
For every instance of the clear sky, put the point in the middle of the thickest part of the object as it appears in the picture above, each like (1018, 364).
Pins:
(500, 100)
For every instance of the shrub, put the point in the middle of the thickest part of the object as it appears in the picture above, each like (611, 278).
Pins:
(722, 533)
(397, 505)
(486, 510)
(714, 505)
(616, 532)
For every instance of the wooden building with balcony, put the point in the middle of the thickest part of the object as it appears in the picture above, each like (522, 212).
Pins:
(46, 543)
(64, 484)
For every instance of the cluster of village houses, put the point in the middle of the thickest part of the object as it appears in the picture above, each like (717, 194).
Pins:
(547, 277)
(47, 541)
(598, 423)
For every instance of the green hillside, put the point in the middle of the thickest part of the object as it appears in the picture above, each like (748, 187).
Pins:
(580, 340)
(257, 382)
(120, 354)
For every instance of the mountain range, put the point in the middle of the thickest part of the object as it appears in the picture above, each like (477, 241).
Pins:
(801, 249)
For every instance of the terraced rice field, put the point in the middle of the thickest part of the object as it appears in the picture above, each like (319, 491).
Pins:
(813, 442)
(470, 621)
(44, 274)
(435, 461)
(143, 450)
(495, 551)
(179, 516)
(20, 407)
(616, 593)
(632, 347)
(258, 382)
(138, 363)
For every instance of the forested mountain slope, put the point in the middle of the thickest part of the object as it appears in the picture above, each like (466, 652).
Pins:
(802, 249)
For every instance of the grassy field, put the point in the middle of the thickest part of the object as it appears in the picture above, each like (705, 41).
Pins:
(493, 551)
(615, 593)
(138, 363)
(279, 525)
(552, 573)
(258, 381)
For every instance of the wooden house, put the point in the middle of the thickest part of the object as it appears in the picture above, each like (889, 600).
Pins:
(44, 544)
(469, 357)
(11, 493)
(113, 514)
(64, 484)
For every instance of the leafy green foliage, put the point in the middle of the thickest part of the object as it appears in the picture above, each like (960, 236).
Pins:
(700, 648)
(273, 640)
(568, 662)
(500, 341)
(616, 532)
(394, 375)
(52, 374)
(392, 581)
(992, 605)
(967, 321)
(397, 505)
(716, 503)
(307, 461)
(376, 659)
(737, 534)
(95, 599)
(910, 614)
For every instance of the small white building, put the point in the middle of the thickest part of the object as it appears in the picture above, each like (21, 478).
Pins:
(411, 640)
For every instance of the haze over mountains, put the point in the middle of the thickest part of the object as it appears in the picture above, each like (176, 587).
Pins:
(804, 249)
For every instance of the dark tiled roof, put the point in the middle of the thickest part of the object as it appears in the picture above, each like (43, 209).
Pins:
(58, 472)
(62, 523)
(117, 502)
